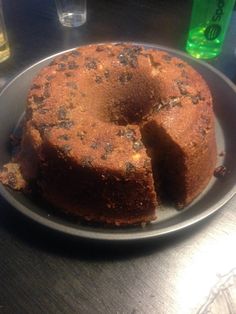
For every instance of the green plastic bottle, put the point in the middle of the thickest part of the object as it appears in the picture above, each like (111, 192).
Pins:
(209, 23)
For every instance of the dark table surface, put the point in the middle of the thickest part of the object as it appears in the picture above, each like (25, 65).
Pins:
(43, 272)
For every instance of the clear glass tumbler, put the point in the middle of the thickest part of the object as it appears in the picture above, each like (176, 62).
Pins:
(71, 13)
(4, 46)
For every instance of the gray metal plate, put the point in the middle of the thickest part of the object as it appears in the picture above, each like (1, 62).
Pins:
(217, 193)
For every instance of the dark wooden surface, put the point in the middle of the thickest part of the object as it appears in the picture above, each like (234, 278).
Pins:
(43, 272)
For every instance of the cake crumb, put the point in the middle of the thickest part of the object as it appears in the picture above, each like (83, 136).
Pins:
(11, 175)
(143, 224)
(222, 154)
(220, 172)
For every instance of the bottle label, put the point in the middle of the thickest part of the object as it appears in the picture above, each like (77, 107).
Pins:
(213, 30)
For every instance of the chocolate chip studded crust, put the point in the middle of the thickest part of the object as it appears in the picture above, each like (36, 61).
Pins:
(112, 129)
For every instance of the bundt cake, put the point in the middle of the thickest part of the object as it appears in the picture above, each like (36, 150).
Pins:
(111, 130)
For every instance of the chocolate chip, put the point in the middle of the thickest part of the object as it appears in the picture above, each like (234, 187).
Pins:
(220, 172)
(36, 86)
(125, 78)
(61, 67)
(128, 56)
(203, 131)
(86, 161)
(182, 87)
(49, 77)
(91, 64)
(94, 145)
(183, 90)
(137, 49)
(137, 145)
(123, 59)
(69, 74)
(222, 154)
(196, 98)
(63, 137)
(104, 157)
(108, 148)
(72, 65)
(199, 95)
(66, 124)
(75, 53)
(42, 110)
(128, 133)
(38, 100)
(166, 58)
(205, 119)
(62, 113)
(71, 105)
(81, 134)
(129, 167)
(98, 79)
(66, 148)
(64, 57)
(121, 132)
(180, 65)
(46, 92)
(44, 128)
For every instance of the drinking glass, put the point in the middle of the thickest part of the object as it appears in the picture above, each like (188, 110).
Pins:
(71, 13)
(4, 46)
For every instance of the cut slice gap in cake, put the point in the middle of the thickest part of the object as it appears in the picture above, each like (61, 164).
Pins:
(168, 164)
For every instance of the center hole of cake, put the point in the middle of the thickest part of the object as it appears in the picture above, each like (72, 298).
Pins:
(124, 112)
(129, 103)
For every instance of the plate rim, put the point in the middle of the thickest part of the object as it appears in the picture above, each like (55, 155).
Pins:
(117, 236)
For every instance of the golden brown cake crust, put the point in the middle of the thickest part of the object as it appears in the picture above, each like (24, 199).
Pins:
(104, 121)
